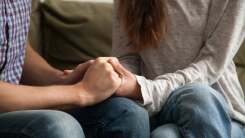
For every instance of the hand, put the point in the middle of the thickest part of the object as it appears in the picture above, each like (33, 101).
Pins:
(99, 82)
(129, 87)
(76, 75)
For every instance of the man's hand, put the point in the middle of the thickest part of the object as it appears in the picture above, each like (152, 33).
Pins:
(99, 82)
(129, 87)
(76, 75)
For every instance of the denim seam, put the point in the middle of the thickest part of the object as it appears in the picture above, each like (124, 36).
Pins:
(113, 120)
(175, 103)
(173, 114)
(24, 130)
(106, 123)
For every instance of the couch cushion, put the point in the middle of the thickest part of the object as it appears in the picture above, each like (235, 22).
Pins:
(241, 74)
(240, 57)
(75, 31)
(240, 63)
(35, 35)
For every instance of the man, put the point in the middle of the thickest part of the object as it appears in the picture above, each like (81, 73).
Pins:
(44, 87)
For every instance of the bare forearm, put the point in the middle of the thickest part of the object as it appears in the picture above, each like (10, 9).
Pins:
(18, 97)
(37, 71)
(99, 83)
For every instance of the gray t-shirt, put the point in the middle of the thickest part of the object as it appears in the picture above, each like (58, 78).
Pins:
(202, 39)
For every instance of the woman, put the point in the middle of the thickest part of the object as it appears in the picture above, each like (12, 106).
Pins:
(178, 63)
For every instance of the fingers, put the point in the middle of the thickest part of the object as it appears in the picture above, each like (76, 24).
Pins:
(118, 67)
(82, 68)
(103, 64)
(114, 62)
(105, 59)
(85, 65)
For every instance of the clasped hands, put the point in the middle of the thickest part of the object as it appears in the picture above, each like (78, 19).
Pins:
(97, 80)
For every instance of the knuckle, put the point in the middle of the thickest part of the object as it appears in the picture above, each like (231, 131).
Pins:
(79, 66)
(91, 61)
(114, 58)
(96, 61)
(99, 60)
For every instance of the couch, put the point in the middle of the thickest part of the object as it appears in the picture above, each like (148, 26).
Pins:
(68, 32)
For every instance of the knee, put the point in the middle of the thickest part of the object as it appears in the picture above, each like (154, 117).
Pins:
(166, 131)
(200, 96)
(202, 103)
(132, 115)
(131, 110)
(55, 124)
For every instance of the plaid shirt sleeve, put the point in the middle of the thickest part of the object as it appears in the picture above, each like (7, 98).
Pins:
(14, 25)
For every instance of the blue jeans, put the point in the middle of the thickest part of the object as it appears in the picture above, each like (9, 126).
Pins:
(114, 118)
(196, 111)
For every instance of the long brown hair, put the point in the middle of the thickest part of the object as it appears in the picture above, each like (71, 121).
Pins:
(143, 21)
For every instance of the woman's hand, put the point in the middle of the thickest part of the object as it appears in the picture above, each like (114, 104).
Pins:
(76, 75)
(99, 83)
(129, 87)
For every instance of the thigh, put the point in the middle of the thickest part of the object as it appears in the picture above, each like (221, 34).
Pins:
(118, 117)
(39, 124)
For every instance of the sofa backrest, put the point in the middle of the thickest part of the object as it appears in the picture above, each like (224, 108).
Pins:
(68, 33)
(240, 63)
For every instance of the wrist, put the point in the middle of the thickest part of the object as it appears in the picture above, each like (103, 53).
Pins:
(134, 92)
(83, 97)
(137, 92)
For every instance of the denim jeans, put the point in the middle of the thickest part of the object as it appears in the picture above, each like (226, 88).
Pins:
(196, 111)
(114, 118)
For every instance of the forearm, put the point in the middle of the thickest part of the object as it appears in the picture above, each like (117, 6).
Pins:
(19, 97)
(37, 71)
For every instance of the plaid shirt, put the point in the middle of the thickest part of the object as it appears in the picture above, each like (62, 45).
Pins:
(14, 24)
